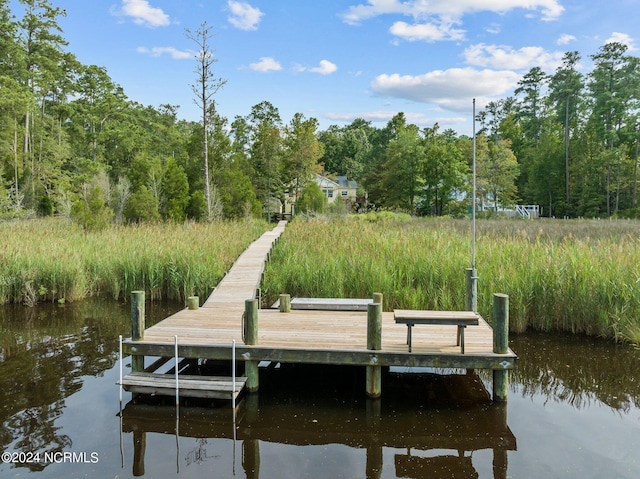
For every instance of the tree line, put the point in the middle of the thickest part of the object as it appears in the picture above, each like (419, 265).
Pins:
(72, 143)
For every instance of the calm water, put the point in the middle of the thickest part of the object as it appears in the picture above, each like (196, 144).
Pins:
(573, 412)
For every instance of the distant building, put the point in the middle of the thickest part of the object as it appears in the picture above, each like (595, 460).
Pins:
(341, 188)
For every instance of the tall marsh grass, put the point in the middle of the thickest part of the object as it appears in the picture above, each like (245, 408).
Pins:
(579, 276)
(54, 260)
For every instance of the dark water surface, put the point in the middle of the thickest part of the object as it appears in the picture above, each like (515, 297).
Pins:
(573, 412)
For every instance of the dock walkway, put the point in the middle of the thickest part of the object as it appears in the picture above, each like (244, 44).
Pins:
(304, 336)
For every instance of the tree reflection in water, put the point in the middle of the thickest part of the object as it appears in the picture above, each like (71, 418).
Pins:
(47, 352)
(577, 370)
(44, 353)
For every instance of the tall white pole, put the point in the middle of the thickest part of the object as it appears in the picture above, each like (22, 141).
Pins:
(175, 342)
(474, 275)
(120, 360)
(473, 195)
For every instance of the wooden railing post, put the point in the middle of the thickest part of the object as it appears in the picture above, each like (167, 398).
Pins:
(137, 327)
(500, 344)
(251, 338)
(374, 343)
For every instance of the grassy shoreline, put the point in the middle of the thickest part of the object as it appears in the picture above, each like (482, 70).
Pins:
(55, 260)
(578, 276)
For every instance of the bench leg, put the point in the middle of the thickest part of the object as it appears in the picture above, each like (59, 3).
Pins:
(409, 336)
(461, 338)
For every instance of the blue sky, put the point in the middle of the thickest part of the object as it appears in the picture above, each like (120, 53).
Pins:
(338, 60)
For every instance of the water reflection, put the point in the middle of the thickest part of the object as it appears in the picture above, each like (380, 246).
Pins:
(577, 370)
(44, 354)
(57, 392)
(431, 423)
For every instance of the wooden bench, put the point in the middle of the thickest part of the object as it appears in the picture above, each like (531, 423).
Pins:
(461, 319)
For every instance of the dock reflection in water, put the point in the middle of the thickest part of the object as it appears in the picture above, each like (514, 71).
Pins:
(431, 423)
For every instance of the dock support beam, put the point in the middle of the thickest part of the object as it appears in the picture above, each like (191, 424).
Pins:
(251, 338)
(500, 345)
(374, 343)
(137, 327)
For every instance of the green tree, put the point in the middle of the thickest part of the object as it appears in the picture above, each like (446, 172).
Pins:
(613, 84)
(564, 94)
(301, 153)
(266, 152)
(142, 206)
(91, 210)
(444, 170)
(400, 179)
(175, 191)
(311, 199)
(497, 169)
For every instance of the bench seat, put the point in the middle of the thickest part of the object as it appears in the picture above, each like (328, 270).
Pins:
(461, 319)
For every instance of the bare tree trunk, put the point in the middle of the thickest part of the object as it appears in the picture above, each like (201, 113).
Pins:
(635, 178)
(204, 89)
(566, 150)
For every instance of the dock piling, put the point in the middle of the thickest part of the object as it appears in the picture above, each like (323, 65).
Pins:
(472, 289)
(137, 327)
(500, 344)
(374, 343)
(193, 302)
(251, 338)
(285, 303)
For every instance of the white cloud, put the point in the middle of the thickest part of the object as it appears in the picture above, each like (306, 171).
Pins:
(494, 28)
(623, 38)
(426, 31)
(266, 64)
(421, 9)
(505, 57)
(142, 13)
(325, 68)
(171, 51)
(384, 116)
(565, 39)
(451, 89)
(244, 16)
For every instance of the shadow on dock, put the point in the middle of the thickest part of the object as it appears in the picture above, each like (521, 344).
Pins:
(431, 423)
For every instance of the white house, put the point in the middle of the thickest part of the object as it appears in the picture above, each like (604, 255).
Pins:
(341, 188)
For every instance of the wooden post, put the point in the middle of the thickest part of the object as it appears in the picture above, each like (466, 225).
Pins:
(251, 458)
(251, 338)
(137, 327)
(500, 344)
(285, 303)
(193, 302)
(374, 343)
(500, 458)
(374, 463)
(377, 298)
(472, 289)
(139, 449)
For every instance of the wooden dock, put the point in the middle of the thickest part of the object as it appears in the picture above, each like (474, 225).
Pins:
(307, 336)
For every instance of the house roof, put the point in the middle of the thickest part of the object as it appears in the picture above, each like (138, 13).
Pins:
(345, 183)
(342, 182)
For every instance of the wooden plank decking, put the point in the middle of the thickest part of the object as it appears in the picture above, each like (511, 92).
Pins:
(243, 279)
(322, 337)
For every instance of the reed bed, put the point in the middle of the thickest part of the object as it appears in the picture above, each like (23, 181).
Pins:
(55, 260)
(578, 276)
